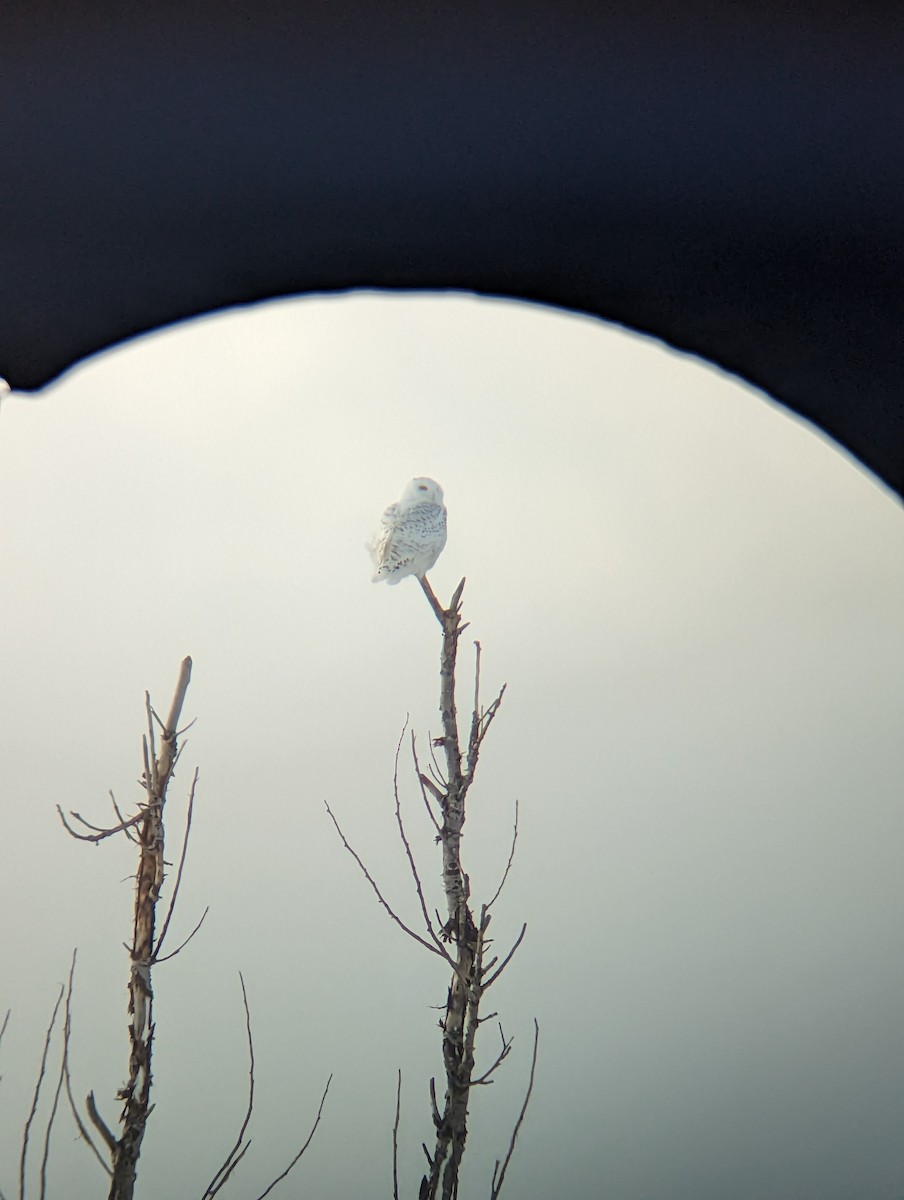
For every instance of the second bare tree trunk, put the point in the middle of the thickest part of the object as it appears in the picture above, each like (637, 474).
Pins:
(158, 769)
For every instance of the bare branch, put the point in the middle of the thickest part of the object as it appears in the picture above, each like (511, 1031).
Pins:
(235, 1154)
(436, 770)
(122, 819)
(100, 834)
(452, 629)
(152, 782)
(476, 681)
(395, 1139)
(67, 1030)
(426, 783)
(99, 1123)
(455, 602)
(500, 1057)
(480, 724)
(37, 1093)
(5, 1023)
(182, 945)
(85, 1135)
(64, 1067)
(281, 1177)
(431, 598)
(440, 950)
(97, 828)
(499, 1176)
(166, 761)
(45, 1156)
(232, 1166)
(508, 958)
(172, 904)
(508, 865)
(148, 778)
(414, 871)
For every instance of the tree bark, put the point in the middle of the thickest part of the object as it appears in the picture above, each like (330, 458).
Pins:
(136, 1091)
(460, 1022)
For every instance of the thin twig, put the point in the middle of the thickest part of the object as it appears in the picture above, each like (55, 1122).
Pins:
(474, 735)
(122, 819)
(5, 1023)
(479, 729)
(146, 754)
(37, 1093)
(281, 1177)
(508, 958)
(226, 1169)
(232, 1166)
(476, 678)
(100, 834)
(152, 743)
(172, 903)
(182, 945)
(452, 630)
(500, 1057)
(45, 1157)
(85, 1135)
(67, 1030)
(508, 865)
(425, 783)
(438, 773)
(438, 778)
(440, 950)
(496, 1186)
(395, 1139)
(414, 871)
(98, 828)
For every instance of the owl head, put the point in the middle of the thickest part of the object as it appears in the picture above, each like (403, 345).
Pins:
(422, 491)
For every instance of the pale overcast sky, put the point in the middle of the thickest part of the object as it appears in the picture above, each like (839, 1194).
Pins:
(697, 602)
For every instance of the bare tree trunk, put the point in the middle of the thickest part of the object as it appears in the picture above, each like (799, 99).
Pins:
(137, 1090)
(146, 829)
(459, 1024)
(461, 942)
(461, 1019)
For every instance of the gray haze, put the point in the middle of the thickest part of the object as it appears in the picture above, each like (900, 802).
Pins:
(697, 603)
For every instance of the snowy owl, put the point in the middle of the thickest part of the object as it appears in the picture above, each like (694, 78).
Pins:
(412, 533)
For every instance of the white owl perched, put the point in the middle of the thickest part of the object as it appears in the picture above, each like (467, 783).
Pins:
(412, 533)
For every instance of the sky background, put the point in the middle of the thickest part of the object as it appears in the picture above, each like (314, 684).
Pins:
(697, 602)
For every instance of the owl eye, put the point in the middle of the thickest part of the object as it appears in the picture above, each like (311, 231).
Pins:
(422, 487)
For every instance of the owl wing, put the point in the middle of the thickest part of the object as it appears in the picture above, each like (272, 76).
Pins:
(408, 541)
(381, 546)
(429, 533)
